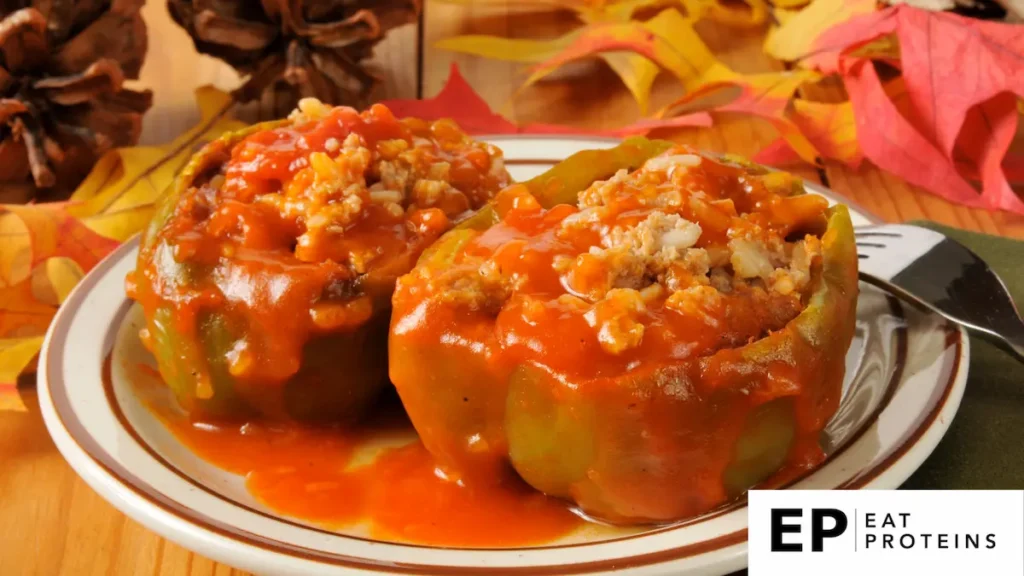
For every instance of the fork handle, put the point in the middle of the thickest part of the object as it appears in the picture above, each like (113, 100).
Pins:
(1014, 346)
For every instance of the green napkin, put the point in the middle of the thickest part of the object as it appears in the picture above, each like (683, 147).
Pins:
(983, 448)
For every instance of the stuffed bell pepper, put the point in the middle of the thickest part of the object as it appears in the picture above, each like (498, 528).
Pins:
(648, 348)
(266, 275)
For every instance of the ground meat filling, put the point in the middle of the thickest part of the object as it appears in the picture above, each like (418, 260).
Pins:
(687, 249)
(334, 177)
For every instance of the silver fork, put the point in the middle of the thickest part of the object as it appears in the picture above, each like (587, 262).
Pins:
(929, 270)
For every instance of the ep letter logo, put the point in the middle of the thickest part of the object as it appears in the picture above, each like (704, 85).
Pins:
(858, 532)
(825, 523)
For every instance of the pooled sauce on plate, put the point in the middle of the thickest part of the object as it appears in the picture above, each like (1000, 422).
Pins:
(328, 476)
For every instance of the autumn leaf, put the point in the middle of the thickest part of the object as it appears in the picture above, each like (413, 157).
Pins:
(458, 101)
(765, 95)
(892, 143)
(789, 4)
(747, 14)
(693, 66)
(636, 72)
(54, 249)
(23, 323)
(960, 75)
(117, 198)
(795, 38)
(587, 10)
(46, 249)
(15, 355)
(22, 315)
(54, 280)
(830, 128)
(636, 51)
(49, 231)
(508, 49)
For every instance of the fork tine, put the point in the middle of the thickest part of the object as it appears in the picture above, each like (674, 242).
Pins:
(884, 250)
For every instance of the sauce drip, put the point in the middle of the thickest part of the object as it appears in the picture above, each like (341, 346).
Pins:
(334, 477)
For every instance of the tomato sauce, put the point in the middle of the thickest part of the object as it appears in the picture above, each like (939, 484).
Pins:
(339, 477)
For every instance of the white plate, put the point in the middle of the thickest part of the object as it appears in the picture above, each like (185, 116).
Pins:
(905, 376)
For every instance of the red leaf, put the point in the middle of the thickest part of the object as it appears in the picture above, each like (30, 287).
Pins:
(458, 101)
(893, 144)
(991, 127)
(849, 35)
(960, 74)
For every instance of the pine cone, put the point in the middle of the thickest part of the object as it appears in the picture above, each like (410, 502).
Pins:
(294, 48)
(62, 101)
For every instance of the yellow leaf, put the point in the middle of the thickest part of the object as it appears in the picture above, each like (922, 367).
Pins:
(788, 5)
(678, 32)
(782, 15)
(793, 40)
(623, 10)
(626, 45)
(15, 250)
(117, 197)
(831, 127)
(637, 73)
(744, 14)
(674, 46)
(507, 49)
(15, 356)
(63, 274)
(120, 224)
(588, 10)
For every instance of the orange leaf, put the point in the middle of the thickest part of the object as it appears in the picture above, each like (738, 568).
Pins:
(765, 95)
(50, 249)
(692, 66)
(50, 232)
(21, 315)
(830, 128)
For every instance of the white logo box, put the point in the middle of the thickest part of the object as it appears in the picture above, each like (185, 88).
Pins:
(927, 533)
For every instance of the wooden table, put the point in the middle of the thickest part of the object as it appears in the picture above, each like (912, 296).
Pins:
(52, 523)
